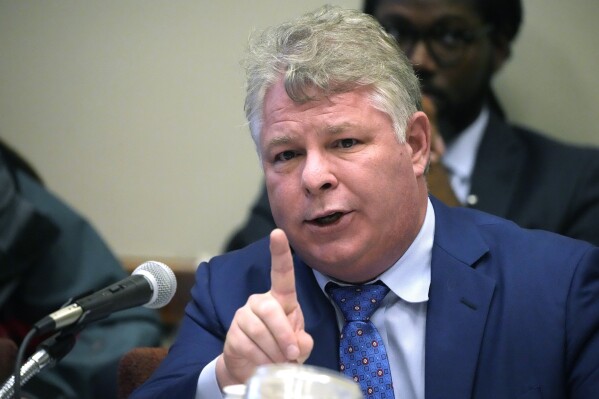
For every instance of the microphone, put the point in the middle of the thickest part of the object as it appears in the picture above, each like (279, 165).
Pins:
(152, 284)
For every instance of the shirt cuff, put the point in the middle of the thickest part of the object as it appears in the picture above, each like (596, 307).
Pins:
(207, 383)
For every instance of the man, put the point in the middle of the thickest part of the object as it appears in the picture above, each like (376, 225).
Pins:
(48, 255)
(456, 47)
(468, 305)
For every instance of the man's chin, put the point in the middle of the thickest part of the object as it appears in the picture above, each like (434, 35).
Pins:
(327, 256)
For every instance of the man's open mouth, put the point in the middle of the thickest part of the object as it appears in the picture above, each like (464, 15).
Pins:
(329, 219)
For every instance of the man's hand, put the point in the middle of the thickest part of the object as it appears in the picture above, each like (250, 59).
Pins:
(269, 328)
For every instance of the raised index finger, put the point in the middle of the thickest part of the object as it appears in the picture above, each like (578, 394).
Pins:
(281, 273)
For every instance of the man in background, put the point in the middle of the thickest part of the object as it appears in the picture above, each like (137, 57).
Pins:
(456, 48)
(48, 255)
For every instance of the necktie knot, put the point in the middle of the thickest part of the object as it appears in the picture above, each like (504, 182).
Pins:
(357, 302)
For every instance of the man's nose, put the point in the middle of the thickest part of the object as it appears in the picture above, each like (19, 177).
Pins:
(318, 174)
(421, 58)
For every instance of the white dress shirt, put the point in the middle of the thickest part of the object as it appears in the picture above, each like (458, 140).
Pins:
(400, 319)
(460, 156)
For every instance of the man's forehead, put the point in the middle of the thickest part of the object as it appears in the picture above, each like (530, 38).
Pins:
(277, 100)
(327, 115)
(466, 3)
(434, 8)
(302, 92)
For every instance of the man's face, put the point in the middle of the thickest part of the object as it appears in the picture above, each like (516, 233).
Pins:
(348, 195)
(457, 75)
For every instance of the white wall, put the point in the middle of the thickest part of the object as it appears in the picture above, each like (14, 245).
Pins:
(132, 110)
(552, 81)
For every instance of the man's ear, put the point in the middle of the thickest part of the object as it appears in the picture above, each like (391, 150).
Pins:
(418, 137)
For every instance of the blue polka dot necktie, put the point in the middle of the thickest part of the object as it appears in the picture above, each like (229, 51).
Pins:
(362, 353)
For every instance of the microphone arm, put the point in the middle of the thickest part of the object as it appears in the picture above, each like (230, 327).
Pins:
(51, 351)
(152, 285)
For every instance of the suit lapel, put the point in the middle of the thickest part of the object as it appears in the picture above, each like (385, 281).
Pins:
(458, 305)
(319, 318)
(493, 179)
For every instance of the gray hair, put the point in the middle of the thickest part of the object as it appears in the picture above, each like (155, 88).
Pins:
(336, 51)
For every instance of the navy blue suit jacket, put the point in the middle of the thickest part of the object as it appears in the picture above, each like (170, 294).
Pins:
(513, 313)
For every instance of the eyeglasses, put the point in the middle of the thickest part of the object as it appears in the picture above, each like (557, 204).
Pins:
(446, 42)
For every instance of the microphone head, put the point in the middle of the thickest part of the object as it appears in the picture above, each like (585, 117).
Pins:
(163, 282)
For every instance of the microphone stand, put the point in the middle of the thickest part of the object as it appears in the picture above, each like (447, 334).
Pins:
(49, 353)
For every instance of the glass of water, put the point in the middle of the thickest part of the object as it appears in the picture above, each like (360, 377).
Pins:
(294, 381)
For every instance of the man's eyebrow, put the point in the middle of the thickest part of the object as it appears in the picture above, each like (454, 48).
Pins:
(278, 140)
(285, 139)
(337, 129)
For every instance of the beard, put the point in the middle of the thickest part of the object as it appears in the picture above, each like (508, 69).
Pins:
(455, 114)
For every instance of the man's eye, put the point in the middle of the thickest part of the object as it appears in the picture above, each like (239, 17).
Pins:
(347, 143)
(285, 156)
(451, 37)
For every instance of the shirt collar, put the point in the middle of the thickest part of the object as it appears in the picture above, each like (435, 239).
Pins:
(460, 155)
(410, 277)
